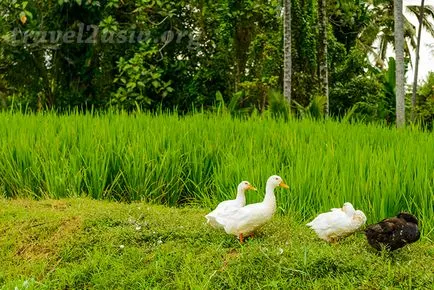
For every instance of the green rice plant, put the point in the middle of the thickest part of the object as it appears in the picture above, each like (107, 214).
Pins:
(200, 158)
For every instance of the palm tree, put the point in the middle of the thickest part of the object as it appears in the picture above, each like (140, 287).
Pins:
(399, 52)
(379, 32)
(287, 71)
(428, 26)
(427, 15)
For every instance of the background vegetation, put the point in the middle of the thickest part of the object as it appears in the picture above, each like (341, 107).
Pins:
(200, 158)
(189, 52)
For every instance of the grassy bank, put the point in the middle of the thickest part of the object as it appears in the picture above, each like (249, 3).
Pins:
(82, 244)
(201, 158)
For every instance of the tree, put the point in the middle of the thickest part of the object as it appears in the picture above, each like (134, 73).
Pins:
(322, 52)
(378, 34)
(399, 55)
(416, 65)
(287, 51)
(304, 44)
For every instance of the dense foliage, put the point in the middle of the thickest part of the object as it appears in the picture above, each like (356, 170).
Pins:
(426, 101)
(187, 54)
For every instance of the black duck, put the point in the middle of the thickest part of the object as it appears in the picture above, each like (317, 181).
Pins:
(393, 233)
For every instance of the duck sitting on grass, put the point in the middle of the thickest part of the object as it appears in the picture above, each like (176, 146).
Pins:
(246, 220)
(228, 207)
(393, 233)
(338, 223)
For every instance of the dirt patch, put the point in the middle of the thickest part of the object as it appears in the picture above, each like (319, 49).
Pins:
(39, 245)
(67, 228)
(231, 255)
(57, 205)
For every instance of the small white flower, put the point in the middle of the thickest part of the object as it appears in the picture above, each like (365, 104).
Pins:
(159, 242)
(121, 247)
(26, 284)
(280, 251)
(138, 228)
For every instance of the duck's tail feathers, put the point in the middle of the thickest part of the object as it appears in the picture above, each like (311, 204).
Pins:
(214, 221)
(221, 221)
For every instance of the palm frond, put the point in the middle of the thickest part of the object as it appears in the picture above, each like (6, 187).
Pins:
(428, 18)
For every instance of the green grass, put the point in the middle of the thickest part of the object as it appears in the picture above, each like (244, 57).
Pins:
(200, 159)
(77, 244)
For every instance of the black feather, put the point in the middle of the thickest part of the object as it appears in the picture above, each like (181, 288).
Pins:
(393, 233)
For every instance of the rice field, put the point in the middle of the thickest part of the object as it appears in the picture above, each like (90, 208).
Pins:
(201, 158)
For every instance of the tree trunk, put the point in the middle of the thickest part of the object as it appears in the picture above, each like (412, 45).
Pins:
(322, 52)
(399, 54)
(416, 66)
(287, 63)
(3, 101)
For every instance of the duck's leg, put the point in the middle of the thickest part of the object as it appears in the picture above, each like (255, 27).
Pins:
(252, 235)
(241, 238)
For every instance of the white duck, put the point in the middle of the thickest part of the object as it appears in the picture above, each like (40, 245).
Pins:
(228, 207)
(338, 223)
(247, 219)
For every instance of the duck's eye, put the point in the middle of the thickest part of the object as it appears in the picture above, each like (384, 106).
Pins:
(277, 178)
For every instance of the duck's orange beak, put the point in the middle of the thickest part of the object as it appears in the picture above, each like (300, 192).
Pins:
(284, 185)
(250, 187)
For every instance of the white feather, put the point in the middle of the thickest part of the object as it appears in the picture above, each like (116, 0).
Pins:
(225, 208)
(247, 219)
